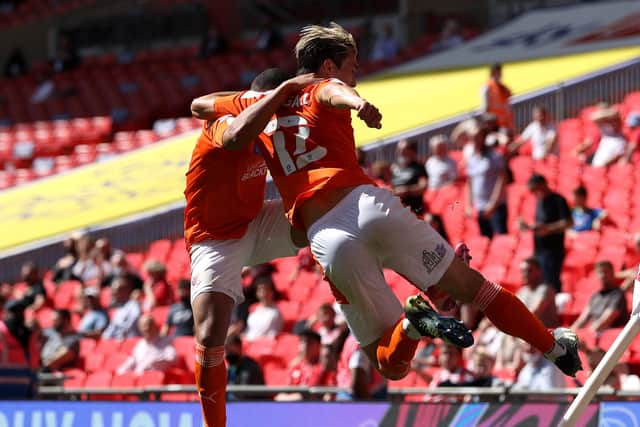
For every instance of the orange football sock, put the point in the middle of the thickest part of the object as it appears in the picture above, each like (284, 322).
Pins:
(211, 381)
(395, 351)
(512, 317)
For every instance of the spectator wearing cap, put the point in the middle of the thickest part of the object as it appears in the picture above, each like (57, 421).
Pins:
(612, 144)
(157, 291)
(61, 346)
(486, 186)
(409, 178)
(553, 218)
(441, 168)
(180, 317)
(95, 319)
(540, 133)
(152, 352)
(124, 320)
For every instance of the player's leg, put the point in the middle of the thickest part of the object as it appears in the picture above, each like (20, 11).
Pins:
(215, 288)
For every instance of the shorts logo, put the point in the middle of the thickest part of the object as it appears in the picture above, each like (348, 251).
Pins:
(431, 259)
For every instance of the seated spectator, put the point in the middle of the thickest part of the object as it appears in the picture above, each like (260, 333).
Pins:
(540, 133)
(585, 218)
(594, 357)
(63, 270)
(180, 314)
(16, 64)
(381, 174)
(124, 321)
(61, 346)
(241, 369)
(265, 320)
(324, 322)
(612, 144)
(152, 352)
(386, 45)
(308, 369)
(538, 373)
(607, 308)
(357, 374)
(539, 297)
(440, 167)
(633, 134)
(36, 293)
(449, 37)
(250, 277)
(120, 268)
(157, 291)
(409, 178)
(213, 43)
(91, 265)
(452, 372)
(483, 363)
(95, 318)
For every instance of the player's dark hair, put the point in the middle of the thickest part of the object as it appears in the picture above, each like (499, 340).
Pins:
(269, 79)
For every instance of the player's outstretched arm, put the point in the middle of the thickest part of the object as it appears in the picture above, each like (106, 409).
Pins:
(251, 122)
(202, 107)
(339, 95)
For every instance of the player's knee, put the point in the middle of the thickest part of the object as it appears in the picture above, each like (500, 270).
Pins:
(210, 333)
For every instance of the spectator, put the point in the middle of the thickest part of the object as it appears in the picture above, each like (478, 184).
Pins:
(95, 319)
(386, 45)
(357, 374)
(265, 320)
(486, 186)
(61, 346)
(541, 133)
(91, 265)
(553, 217)
(452, 372)
(483, 363)
(630, 264)
(612, 145)
(330, 330)
(120, 267)
(269, 37)
(241, 369)
(539, 297)
(152, 352)
(607, 307)
(18, 344)
(538, 373)
(585, 218)
(180, 315)
(633, 134)
(381, 174)
(440, 167)
(253, 275)
(213, 43)
(449, 37)
(308, 369)
(495, 98)
(157, 291)
(63, 270)
(409, 178)
(125, 318)
(36, 293)
(16, 64)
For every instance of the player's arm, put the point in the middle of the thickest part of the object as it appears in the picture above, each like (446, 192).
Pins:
(202, 107)
(251, 122)
(339, 95)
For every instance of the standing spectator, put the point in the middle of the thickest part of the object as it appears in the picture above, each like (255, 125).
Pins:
(486, 186)
(61, 348)
(584, 217)
(95, 319)
(120, 268)
(495, 98)
(553, 218)
(441, 168)
(36, 293)
(16, 64)
(409, 178)
(357, 374)
(539, 297)
(308, 369)
(125, 318)
(152, 352)
(180, 315)
(541, 133)
(607, 308)
(242, 370)
(612, 145)
(157, 291)
(265, 320)
(386, 45)
(538, 373)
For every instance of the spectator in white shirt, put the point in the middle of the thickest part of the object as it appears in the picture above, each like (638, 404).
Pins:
(152, 353)
(441, 168)
(541, 133)
(124, 320)
(265, 320)
(612, 145)
(538, 373)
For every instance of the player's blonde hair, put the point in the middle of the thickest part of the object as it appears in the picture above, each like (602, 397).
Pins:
(318, 43)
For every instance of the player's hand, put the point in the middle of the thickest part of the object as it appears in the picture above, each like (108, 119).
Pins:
(297, 83)
(369, 114)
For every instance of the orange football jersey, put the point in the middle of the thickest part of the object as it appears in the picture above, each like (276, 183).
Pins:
(307, 146)
(225, 189)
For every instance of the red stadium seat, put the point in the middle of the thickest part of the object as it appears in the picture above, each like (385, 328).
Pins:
(124, 380)
(151, 378)
(113, 361)
(98, 380)
(287, 346)
(160, 314)
(108, 346)
(75, 378)
(128, 344)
